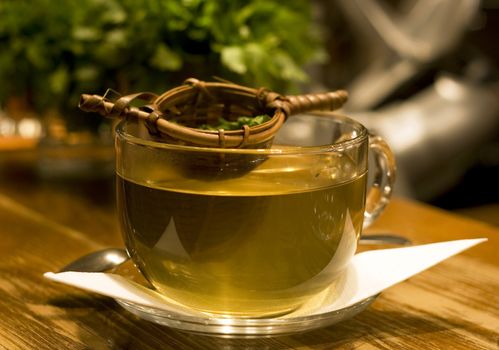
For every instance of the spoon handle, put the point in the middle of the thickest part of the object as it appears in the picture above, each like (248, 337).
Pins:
(378, 239)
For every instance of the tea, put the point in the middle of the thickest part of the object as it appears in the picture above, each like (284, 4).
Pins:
(242, 246)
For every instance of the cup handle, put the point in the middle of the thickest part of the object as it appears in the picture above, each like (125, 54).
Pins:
(380, 192)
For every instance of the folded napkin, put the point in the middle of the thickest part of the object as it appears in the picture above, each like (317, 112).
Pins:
(368, 274)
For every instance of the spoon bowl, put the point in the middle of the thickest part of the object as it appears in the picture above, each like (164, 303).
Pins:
(101, 260)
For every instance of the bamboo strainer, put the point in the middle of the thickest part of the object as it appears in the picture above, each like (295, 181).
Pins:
(175, 115)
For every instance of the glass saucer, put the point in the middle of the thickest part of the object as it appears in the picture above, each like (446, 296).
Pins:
(246, 327)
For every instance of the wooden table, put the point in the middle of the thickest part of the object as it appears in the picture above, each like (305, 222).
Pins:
(45, 224)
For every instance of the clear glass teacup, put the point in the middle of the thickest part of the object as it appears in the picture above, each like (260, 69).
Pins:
(250, 232)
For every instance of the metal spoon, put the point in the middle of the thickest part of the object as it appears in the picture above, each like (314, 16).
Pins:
(106, 259)
(101, 260)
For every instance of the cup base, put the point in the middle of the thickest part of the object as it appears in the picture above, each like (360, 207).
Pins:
(239, 308)
(255, 315)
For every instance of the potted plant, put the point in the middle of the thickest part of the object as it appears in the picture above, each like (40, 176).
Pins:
(50, 53)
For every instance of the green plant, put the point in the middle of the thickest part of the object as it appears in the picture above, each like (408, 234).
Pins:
(51, 51)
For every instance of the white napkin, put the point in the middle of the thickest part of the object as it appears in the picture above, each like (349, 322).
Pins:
(368, 274)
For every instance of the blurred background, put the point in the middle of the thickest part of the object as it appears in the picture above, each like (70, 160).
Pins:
(421, 73)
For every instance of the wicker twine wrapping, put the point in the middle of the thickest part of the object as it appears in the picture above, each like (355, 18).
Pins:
(177, 113)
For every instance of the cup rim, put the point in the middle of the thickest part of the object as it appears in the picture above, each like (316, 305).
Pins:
(121, 133)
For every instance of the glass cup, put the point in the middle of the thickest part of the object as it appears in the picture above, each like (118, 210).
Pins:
(250, 232)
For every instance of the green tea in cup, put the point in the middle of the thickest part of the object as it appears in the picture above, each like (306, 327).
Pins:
(246, 241)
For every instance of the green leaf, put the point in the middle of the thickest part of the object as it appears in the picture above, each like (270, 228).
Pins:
(36, 55)
(86, 33)
(233, 58)
(237, 124)
(86, 73)
(166, 59)
(116, 37)
(288, 68)
(59, 80)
